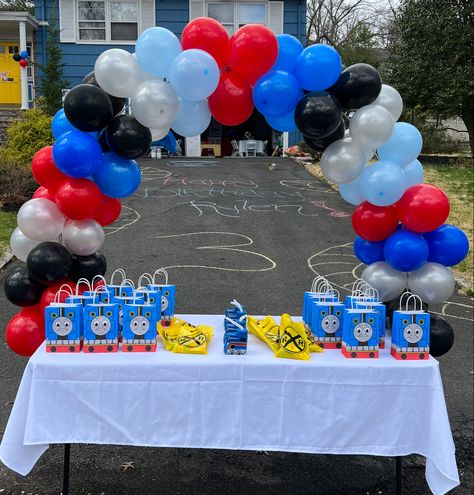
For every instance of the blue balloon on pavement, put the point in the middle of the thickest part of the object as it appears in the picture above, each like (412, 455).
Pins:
(318, 67)
(382, 183)
(77, 154)
(368, 252)
(117, 177)
(403, 146)
(284, 123)
(61, 124)
(406, 251)
(414, 173)
(448, 245)
(289, 49)
(276, 93)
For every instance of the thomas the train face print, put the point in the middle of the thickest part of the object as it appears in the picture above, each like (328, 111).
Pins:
(63, 328)
(360, 337)
(101, 327)
(168, 293)
(327, 323)
(139, 327)
(410, 335)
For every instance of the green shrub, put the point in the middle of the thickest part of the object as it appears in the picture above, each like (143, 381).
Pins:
(26, 137)
(16, 184)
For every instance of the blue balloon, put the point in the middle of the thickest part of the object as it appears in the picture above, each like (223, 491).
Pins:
(24, 54)
(448, 245)
(61, 124)
(318, 67)
(77, 154)
(276, 93)
(117, 177)
(414, 173)
(289, 49)
(403, 146)
(382, 183)
(406, 251)
(284, 123)
(368, 252)
(168, 142)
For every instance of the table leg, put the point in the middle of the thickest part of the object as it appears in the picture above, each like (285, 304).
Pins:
(67, 458)
(399, 475)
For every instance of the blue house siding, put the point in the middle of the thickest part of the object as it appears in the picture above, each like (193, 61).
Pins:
(172, 15)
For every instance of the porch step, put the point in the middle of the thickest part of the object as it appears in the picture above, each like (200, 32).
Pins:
(7, 116)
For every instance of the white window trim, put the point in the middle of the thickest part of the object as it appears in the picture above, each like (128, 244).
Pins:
(236, 9)
(108, 22)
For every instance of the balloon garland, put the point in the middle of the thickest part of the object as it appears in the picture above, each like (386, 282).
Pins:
(347, 115)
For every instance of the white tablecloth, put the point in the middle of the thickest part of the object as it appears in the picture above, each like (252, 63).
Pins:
(329, 405)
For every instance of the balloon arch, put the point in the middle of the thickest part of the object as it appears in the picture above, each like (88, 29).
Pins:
(347, 115)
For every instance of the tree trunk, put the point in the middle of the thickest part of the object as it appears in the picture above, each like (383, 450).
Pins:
(467, 115)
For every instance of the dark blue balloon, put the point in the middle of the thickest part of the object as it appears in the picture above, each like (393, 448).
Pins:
(284, 123)
(448, 245)
(24, 54)
(61, 124)
(405, 250)
(77, 154)
(117, 177)
(368, 252)
(168, 142)
(289, 49)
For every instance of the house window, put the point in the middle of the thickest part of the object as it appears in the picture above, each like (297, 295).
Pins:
(234, 15)
(107, 20)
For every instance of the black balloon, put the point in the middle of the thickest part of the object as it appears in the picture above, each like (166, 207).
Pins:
(321, 144)
(441, 336)
(88, 107)
(49, 262)
(357, 86)
(16, 57)
(317, 114)
(117, 103)
(102, 140)
(20, 289)
(127, 137)
(87, 266)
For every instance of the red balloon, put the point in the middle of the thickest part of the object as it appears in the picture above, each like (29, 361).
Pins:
(44, 193)
(108, 210)
(78, 198)
(209, 35)
(253, 51)
(25, 331)
(50, 292)
(231, 103)
(374, 223)
(423, 208)
(45, 171)
(23, 62)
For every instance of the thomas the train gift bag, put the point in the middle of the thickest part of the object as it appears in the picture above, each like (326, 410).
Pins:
(168, 295)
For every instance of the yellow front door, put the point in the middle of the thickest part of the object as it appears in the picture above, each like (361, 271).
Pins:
(10, 91)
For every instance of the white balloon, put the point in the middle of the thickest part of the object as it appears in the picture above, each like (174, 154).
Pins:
(154, 104)
(83, 237)
(390, 283)
(371, 126)
(157, 134)
(21, 245)
(433, 282)
(343, 160)
(192, 119)
(390, 99)
(40, 220)
(117, 72)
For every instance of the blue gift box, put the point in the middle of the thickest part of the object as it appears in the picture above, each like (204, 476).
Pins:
(63, 327)
(139, 327)
(101, 327)
(360, 333)
(236, 332)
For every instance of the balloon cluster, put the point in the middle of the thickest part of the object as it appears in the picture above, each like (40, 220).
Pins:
(21, 58)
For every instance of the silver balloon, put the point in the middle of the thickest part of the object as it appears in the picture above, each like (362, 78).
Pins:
(154, 104)
(390, 99)
(390, 283)
(21, 245)
(83, 237)
(343, 161)
(40, 220)
(433, 282)
(372, 126)
(117, 72)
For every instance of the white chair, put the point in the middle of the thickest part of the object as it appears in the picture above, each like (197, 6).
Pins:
(251, 148)
(235, 148)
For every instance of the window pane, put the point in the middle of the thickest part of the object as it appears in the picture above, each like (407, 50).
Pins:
(92, 34)
(230, 29)
(91, 24)
(120, 31)
(251, 13)
(91, 11)
(222, 12)
(123, 11)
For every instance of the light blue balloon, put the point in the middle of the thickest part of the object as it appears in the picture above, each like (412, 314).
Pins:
(284, 123)
(194, 75)
(383, 183)
(414, 173)
(192, 119)
(318, 67)
(276, 93)
(156, 48)
(61, 124)
(289, 49)
(117, 177)
(403, 146)
(351, 192)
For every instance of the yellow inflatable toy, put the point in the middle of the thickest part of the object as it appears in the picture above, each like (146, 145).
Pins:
(169, 333)
(266, 330)
(193, 339)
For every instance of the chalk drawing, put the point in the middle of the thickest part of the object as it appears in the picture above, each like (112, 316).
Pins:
(234, 246)
(128, 217)
(218, 192)
(191, 163)
(334, 213)
(307, 185)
